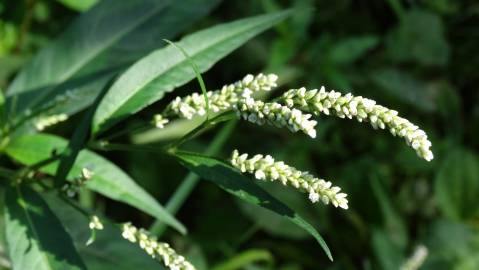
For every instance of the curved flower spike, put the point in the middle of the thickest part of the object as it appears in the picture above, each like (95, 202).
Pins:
(265, 167)
(222, 99)
(154, 248)
(275, 114)
(363, 109)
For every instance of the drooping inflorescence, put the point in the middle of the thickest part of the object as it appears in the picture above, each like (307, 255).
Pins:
(363, 109)
(266, 168)
(156, 249)
(275, 114)
(222, 99)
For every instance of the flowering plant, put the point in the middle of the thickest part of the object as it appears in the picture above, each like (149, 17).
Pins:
(49, 218)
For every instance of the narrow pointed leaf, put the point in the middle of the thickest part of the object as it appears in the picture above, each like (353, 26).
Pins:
(112, 34)
(36, 238)
(163, 70)
(231, 180)
(107, 179)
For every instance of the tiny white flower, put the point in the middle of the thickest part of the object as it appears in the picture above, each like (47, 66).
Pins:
(265, 168)
(159, 250)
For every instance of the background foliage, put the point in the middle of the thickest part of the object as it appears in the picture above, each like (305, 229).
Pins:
(419, 57)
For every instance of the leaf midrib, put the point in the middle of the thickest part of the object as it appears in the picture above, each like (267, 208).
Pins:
(138, 89)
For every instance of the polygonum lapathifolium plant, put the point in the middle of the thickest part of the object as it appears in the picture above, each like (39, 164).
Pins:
(53, 165)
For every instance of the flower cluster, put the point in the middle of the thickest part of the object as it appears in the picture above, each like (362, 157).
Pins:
(275, 114)
(46, 121)
(159, 121)
(363, 109)
(154, 248)
(265, 167)
(222, 99)
(95, 223)
(71, 188)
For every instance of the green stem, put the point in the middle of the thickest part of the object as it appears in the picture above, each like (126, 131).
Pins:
(191, 180)
(225, 116)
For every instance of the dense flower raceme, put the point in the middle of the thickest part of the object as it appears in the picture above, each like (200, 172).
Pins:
(156, 249)
(266, 168)
(363, 109)
(275, 114)
(222, 99)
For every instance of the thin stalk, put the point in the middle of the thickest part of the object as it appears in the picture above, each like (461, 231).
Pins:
(191, 180)
(228, 115)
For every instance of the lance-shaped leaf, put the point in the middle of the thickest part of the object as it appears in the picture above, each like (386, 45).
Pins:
(36, 238)
(107, 179)
(102, 41)
(163, 70)
(231, 180)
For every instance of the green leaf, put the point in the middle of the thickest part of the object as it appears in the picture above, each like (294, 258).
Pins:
(108, 37)
(457, 184)
(107, 179)
(36, 238)
(349, 50)
(245, 258)
(419, 37)
(109, 250)
(162, 71)
(76, 143)
(78, 5)
(405, 87)
(229, 179)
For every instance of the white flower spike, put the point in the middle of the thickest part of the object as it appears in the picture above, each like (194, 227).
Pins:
(362, 109)
(266, 168)
(275, 114)
(222, 99)
(163, 251)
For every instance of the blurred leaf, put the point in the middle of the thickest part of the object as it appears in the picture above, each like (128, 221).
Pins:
(245, 258)
(351, 49)
(163, 70)
(419, 37)
(94, 44)
(35, 236)
(109, 250)
(107, 179)
(244, 188)
(450, 244)
(78, 5)
(387, 253)
(394, 223)
(457, 184)
(404, 87)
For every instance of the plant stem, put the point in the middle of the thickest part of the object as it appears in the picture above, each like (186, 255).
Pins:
(191, 180)
(225, 116)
